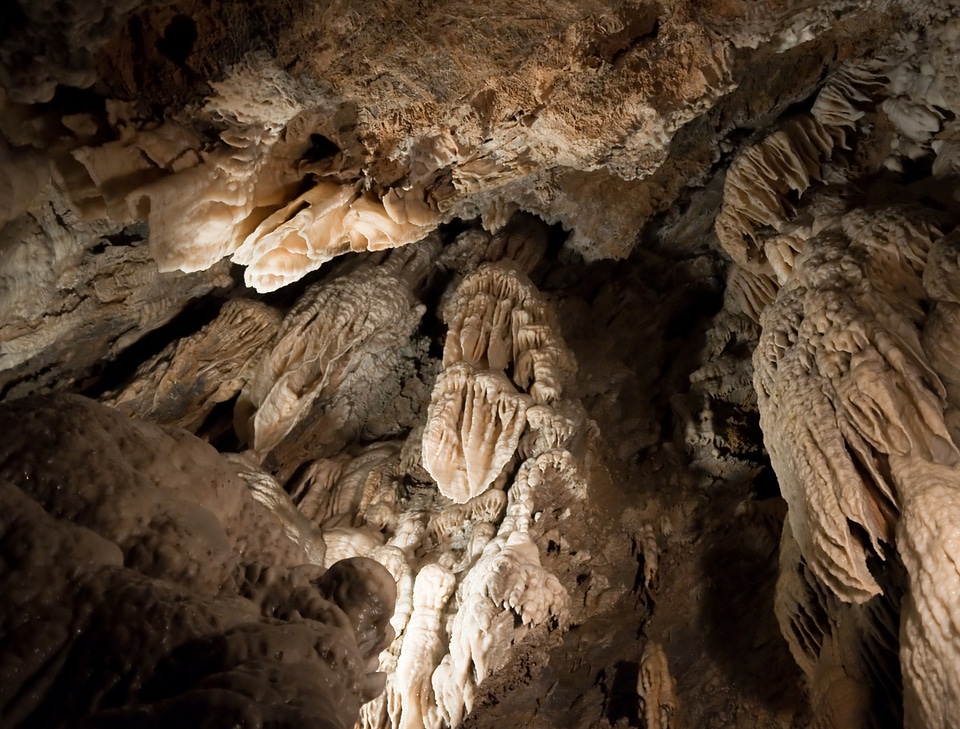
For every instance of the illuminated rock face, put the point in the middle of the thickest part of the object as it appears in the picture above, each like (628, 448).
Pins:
(535, 368)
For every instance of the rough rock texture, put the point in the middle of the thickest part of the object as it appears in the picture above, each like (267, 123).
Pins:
(144, 586)
(621, 334)
(215, 363)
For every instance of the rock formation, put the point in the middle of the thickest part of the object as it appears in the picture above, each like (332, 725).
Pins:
(144, 585)
(421, 365)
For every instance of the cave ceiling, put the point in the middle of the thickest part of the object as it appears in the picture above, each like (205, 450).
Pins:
(423, 365)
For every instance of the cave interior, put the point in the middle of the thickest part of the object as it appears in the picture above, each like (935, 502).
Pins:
(578, 364)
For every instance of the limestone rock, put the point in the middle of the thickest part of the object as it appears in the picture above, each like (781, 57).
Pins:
(375, 235)
(333, 329)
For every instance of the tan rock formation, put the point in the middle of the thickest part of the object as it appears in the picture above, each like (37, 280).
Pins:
(321, 341)
(473, 429)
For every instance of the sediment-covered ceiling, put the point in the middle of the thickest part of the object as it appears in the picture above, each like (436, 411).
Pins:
(434, 364)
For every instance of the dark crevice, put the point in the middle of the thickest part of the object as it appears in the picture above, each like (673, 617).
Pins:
(765, 484)
(178, 40)
(14, 19)
(120, 370)
(622, 699)
(320, 148)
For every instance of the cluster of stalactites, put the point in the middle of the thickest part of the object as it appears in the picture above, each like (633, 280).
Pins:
(855, 391)
(842, 383)
(765, 218)
(472, 578)
(758, 224)
(255, 196)
(498, 324)
(328, 220)
(869, 115)
(755, 193)
(855, 371)
(497, 320)
(213, 210)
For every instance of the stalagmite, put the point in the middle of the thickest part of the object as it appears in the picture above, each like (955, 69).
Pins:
(424, 644)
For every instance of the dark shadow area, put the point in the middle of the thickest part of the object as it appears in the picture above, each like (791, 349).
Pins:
(321, 148)
(178, 40)
(120, 370)
(622, 699)
(217, 428)
(765, 484)
(737, 620)
(14, 19)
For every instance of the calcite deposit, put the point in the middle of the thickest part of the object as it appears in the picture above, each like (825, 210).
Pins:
(414, 365)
